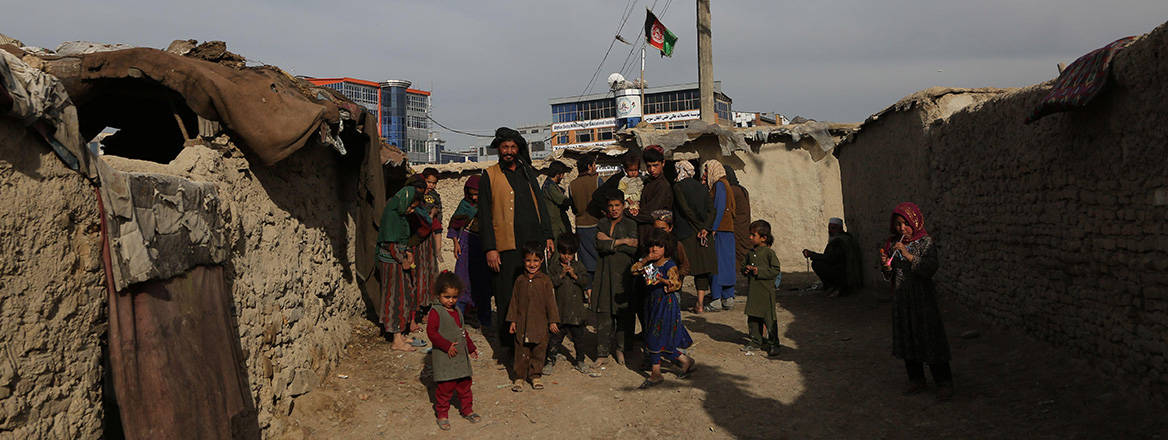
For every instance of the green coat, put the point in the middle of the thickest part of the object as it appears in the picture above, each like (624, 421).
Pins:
(569, 292)
(760, 297)
(395, 228)
(613, 284)
(556, 208)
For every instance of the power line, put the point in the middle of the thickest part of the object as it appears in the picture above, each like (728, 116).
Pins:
(628, 12)
(435, 121)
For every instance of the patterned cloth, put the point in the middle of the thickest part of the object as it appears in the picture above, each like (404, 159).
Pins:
(1081, 81)
(398, 303)
(665, 334)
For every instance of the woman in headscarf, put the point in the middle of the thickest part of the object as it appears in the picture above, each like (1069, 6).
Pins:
(722, 227)
(909, 260)
(395, 261)
(694, 209)
(471, 262)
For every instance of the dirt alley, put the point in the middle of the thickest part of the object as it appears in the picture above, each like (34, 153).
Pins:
(835, 378)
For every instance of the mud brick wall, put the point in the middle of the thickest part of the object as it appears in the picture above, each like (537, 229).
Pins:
(1056, 228)
(291, 265)
(52, 299)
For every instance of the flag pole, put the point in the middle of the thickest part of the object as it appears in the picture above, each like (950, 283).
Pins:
(642, 83)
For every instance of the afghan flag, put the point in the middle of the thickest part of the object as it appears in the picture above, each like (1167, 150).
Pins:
(657, 35)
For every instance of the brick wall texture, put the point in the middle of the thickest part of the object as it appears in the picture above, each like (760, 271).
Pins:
(1056, 228)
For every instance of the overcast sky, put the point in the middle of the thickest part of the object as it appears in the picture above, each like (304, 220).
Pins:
(497, 62)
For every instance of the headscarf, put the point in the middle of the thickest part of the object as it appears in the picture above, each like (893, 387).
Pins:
(684, 169)
(713, 171)
(664, 215)
(912, 215)
(731, 176)
(503, 134)
(467, 210)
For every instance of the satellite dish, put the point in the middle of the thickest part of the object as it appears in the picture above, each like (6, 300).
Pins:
(615, 79)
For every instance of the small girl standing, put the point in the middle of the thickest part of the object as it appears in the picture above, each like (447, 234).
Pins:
(909, 260)
(665, 335)
(761, 266)
(533, 314)
(452, 352)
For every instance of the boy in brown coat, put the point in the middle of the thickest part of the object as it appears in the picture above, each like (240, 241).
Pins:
(533, 314)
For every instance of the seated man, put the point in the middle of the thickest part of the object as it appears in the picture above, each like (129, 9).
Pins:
(839, 264)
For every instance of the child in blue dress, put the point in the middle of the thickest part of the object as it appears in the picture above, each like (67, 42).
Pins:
(665, 335)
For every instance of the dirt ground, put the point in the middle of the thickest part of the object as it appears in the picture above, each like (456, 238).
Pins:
(835, 378)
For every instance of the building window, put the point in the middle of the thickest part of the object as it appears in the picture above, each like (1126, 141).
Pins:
(417, 122)
(722, 108)
(417, 103)
(678, 101)
(535, 130)
(562, 139)
(537, 146)
(584, 136)
(604, 134)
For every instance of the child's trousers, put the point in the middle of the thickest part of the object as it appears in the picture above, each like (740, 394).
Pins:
(755, 325)
(529, 359)
(556, 346)
(446, 390)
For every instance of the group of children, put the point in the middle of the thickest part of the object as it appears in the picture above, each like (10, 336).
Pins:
(550, 302)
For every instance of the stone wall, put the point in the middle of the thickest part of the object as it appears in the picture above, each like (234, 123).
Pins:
(1056, 228)
(52, 299)
(290, 267)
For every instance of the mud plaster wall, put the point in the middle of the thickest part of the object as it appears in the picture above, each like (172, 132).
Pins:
(52, 301)
(294, 295)
(796, 195)
(1056, 228)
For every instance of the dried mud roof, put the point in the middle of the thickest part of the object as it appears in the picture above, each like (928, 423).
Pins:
(927, 98)
(271, 113)
(816, 137)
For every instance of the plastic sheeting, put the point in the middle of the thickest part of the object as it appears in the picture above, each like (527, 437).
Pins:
(40, 101)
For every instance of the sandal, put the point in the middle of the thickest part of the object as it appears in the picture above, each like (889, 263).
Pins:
(473, 417)
(693, 366)
(712, 308)
(517, 386)
(444, 424)
(649, 384)
(536, 384)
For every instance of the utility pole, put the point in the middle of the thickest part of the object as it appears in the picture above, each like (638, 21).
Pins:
(705, 63)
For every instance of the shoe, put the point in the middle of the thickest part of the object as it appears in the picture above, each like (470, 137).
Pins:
(536, 384)
(773, 350)
(547, 368)
(712, 308)
(418, 342)
(517, 386)
(649, 384)
(749, 347)
(728, 304)
(473, 417)
(914, 388)
(444, 424)
(944, 393)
